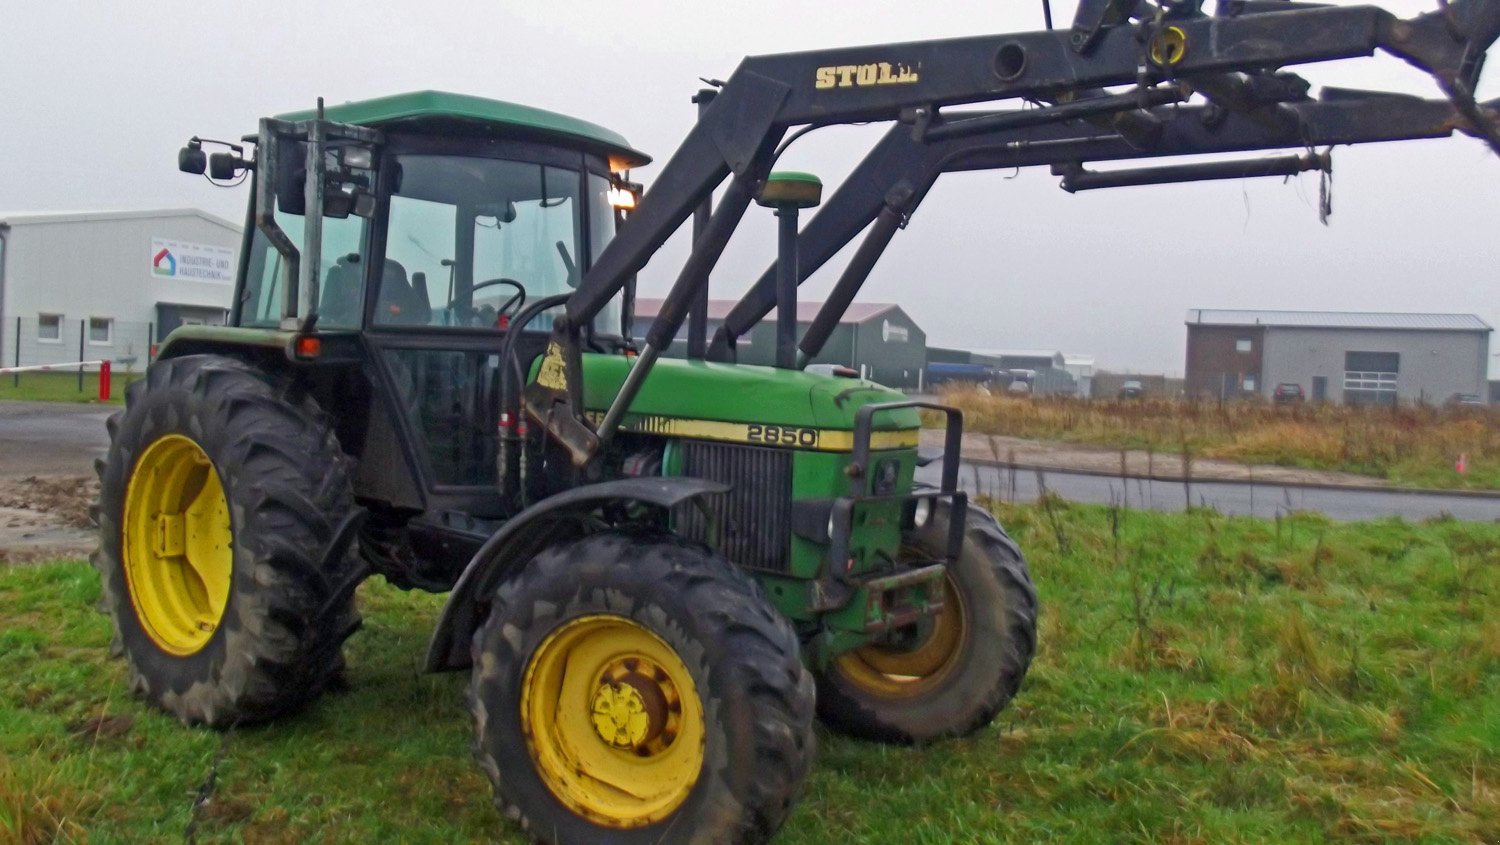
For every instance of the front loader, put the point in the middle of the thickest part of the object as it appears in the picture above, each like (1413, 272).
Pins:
(659, 570)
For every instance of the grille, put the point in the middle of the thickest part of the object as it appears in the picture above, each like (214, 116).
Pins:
(755, 517)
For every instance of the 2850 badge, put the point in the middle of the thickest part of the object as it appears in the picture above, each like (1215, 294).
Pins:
(782, 435)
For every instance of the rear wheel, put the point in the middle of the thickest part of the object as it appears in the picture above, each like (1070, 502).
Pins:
(950, 674)
(636, 688)
(225, 519)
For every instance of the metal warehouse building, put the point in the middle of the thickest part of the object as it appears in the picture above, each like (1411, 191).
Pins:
(877, 339)
(108, 285)
(1337, 356)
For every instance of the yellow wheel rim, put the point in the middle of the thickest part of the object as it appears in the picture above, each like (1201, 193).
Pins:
(178, 545)
(613, 721)
(913, 667)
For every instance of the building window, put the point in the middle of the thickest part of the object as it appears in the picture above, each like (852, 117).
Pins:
(101, 330)
(1249, 384)
(49, 328)
(1370, 377)
(1244, 344)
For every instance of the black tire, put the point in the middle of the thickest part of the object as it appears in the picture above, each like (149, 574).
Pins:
(286, 489)
(743, 658)
(979, 675)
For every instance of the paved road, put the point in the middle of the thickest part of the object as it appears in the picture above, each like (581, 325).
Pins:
(40, 438)
(1263, 500)
(51, 438)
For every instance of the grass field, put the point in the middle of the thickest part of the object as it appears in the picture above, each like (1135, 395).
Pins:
(1200, 679)
(1410, 445)
(63, 387)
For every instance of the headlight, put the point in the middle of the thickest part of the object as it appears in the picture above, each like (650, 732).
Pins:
(922, 513)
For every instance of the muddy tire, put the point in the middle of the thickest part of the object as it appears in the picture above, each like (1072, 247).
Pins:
(637, 688)
(225, 516)
(949, 676)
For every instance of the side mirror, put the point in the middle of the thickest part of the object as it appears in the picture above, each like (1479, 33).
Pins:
(192, 159)
(222, 166)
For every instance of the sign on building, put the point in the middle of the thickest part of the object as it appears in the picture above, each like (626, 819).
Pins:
(889, 333)
(194, 262)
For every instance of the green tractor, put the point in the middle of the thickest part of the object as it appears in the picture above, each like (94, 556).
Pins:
(645, 633)
(660, 571)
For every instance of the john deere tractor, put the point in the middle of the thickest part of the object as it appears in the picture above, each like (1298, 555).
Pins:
(659, 569)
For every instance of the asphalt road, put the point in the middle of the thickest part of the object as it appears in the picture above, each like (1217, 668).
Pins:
(43, 438)
(51, 438)
(1263, 500)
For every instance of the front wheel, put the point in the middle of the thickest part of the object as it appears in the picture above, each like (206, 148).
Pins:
(948, 675)
(636, 688)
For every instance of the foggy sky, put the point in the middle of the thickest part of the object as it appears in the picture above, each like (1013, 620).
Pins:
(95, 99)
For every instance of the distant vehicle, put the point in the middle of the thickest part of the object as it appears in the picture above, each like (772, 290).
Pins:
(1132, 390)
(1465, 400)
(1289, 392)
(1019, 387)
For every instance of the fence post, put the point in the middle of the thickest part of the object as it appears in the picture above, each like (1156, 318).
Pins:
(16, 378)
(150, 343)
(82, 332)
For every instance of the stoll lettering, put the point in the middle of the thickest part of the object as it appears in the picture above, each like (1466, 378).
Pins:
(863, 76)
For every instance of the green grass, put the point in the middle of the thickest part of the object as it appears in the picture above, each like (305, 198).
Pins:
(63, 387)
(1200, 678)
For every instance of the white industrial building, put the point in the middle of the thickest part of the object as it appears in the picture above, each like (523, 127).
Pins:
(109, 284)
(1337, 356)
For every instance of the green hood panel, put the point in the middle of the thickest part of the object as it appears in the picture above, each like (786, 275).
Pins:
(744, 393)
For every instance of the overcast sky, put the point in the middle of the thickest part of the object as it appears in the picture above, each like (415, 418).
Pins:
(95, 99)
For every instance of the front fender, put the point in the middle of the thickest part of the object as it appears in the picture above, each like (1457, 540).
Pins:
(527, 533)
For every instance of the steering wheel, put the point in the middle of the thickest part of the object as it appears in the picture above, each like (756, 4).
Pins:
(516, 299)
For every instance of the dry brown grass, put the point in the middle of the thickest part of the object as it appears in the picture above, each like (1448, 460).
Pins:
(1412, 443)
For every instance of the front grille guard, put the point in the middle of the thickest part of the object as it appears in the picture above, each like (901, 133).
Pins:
(838, 583)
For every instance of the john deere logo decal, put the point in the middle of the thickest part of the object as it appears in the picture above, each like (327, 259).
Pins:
(864, 76)
(164, 264)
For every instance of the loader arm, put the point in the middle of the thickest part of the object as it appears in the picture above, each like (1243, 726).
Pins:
(892, 180)
(740, 131)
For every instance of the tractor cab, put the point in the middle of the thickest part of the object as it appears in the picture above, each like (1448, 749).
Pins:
(451, 215)
(432, 222)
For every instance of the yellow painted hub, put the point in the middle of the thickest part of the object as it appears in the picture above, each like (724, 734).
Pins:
(911, 667)
(178, 545)
(613, 721)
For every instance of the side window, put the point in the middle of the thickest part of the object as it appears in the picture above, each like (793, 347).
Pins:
(341, 290)
(416, 283)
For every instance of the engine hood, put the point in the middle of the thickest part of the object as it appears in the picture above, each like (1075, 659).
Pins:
(678, 393)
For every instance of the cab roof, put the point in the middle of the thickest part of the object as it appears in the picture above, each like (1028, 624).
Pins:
(464, 113)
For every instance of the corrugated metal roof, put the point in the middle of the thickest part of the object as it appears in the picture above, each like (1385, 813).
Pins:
(718, 309)
(27, 218)
(1337, 320)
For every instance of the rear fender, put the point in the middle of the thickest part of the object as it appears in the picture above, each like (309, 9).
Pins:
(561, 517)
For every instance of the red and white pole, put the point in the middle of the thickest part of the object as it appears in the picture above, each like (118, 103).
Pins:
(104, 382)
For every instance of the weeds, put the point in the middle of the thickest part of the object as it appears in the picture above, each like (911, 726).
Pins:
(1412, 444)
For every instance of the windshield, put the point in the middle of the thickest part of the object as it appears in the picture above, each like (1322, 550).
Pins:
(470, 241)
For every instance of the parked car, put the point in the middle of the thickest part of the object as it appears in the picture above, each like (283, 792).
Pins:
(1465, 400)
(1132, 390)
(1289, 392)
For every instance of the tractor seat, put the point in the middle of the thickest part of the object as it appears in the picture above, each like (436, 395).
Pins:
(399, 303)
(341, 294)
